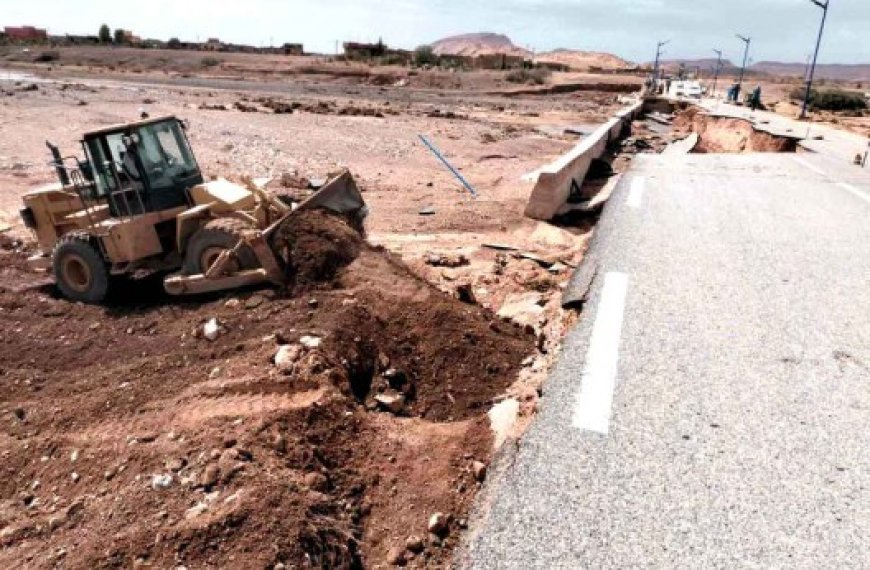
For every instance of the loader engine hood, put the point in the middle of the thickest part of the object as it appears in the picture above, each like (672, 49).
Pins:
(227, 196)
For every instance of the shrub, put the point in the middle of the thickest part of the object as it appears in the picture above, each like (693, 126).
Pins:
(47, 56)
(105, 34)
(424, 55)
(831, 99)
(537, 76)
(209, 61)
(392, 59)
(173, 43)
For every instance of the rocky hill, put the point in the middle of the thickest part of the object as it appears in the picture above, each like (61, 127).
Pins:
(584, 60)
(834, 72)
(478, 44)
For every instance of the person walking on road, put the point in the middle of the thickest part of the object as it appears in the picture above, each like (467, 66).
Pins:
(755, 98)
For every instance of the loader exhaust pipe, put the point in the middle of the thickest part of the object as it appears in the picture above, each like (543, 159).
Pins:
(57, 162)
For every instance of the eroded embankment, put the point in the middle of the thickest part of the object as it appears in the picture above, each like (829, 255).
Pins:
(717, 134)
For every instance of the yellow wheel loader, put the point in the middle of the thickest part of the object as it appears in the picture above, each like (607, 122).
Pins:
(137, 202)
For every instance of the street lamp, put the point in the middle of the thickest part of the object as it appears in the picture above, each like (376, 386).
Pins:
(824, 7)
(718, 69)
(659, 53)
(747, 41)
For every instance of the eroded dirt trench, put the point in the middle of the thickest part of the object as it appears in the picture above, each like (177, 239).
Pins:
(323, 429)
(718, 134)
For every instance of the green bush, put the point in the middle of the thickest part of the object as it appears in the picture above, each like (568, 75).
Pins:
(424, 55)
(105, 34)
(831, 99)
(537, 76)
(209, 61)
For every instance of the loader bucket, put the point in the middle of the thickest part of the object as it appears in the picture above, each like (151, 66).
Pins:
(340, 195)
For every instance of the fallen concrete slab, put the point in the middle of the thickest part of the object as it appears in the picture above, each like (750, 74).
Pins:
(683, 146)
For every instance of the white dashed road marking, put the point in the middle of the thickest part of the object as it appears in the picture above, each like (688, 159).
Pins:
(635, 195)
(853, 190)
(595, 401)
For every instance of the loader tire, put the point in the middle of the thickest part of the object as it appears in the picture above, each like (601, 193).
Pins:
(214, 238)
(80, 272)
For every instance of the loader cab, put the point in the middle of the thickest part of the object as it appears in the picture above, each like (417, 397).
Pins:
(142, 167)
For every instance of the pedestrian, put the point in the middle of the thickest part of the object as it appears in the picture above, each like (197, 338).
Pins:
(755, 98)
(866, 154)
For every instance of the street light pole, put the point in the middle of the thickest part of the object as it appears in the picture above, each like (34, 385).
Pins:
(718, 68)
(824, 6)
(747, 41)
(659, 53)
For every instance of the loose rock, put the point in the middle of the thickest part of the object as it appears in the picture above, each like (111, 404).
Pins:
(439, 524)
(161, 481)
(479, 470)
(415, 544)
(211, 329)
(287, 357)
(396, 556)
(310, 341)
(391, 401)
(210, 476)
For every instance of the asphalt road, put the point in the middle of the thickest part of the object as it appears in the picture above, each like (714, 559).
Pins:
(711, 409)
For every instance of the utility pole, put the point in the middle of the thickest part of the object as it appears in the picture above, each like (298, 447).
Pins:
(659, 54)
(747, 41)
(718, 69)
(824, 6)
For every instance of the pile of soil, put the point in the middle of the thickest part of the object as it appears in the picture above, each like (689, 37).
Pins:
(315, 246)
(129, 438)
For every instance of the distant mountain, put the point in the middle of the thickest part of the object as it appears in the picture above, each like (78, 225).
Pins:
(478, 44)
(834, 72)
(584, 60)
(706, 64)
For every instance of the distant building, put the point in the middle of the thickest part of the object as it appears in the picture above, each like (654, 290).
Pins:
(72, 40)
(455, 61)
(25, 34)
(131, 39)
(553, 65)
(499, 61)
(354, 50)
(293, 49)
(213, 44)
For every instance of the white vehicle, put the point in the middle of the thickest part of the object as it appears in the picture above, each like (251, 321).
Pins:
(690, 89)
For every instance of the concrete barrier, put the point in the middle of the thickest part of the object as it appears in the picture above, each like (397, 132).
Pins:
(554, 182)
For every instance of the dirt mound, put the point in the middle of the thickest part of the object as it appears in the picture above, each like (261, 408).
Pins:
(421, 343)
(478, 44)
(584, 60)
(128, 438)
(315, 246)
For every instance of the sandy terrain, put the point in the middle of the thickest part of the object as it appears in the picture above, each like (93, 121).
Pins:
(130, 439)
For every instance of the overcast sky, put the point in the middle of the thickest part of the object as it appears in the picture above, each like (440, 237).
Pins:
(783, 30)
